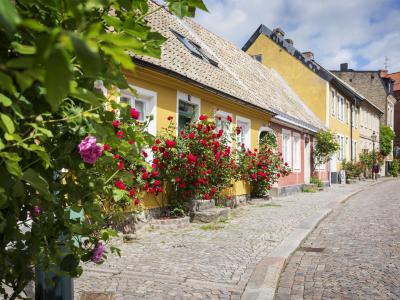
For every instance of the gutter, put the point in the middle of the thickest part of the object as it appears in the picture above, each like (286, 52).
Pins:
(292, 122)
(201, 85)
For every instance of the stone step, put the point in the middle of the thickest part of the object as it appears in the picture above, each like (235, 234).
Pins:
(210, 215)
(201, 205)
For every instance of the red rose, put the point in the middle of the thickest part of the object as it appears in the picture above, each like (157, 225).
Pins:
(160, 189)
(191, 158)
(154, 148)
(134, 113)
(177, 179)
(157, 182)
(158, 141)
(229, 118)
(154, 174)
(203, 118)
(166, 154)
(132, 193)
(120, 185)
(115, 123)
(170, 118)
(278, 175)
(181, 185)
(238, 130)
(155, 160)
(117, 156)
(286, 164)
(254, 176)
(145, 154)
(220, 132)
(170, 144)
(106, 147)
(199, 127)
(191, 135)
(145, 175)
(121, 165)
(137, 201)
(131, 142)
(206, 196)
(120, 134)
(146, 186)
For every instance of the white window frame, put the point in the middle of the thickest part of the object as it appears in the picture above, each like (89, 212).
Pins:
(149, 98)
(333, 102)
(287, 153)
(247, 131)
(348, 112)
(224, 116)
(296, 152)
(181, 96)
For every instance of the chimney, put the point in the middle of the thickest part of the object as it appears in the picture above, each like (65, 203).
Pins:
(344, 67)
(308, 55)
(289, 41)
(279, 32)
(383, 73)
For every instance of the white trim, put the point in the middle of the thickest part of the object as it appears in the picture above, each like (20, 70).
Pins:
(150, 99)
(224, 115)
(247, 137)
(288, 159)
(181, 96)
(296, 164)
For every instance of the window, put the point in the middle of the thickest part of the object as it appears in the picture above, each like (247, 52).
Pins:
(296, 152)
(341, 151)
(333, 103)
(194, 48)
(353, 117)
(188, 108)
(347, 148)
(222, 123)
(287, 146)
(340, 108)
(257, 57)
(348, 112)
(243, 138)
(145, 103)
(354, 153)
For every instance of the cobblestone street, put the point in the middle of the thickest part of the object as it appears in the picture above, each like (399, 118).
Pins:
(353, 254)
(204, 262)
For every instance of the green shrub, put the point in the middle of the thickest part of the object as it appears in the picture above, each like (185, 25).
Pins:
(353, 170)
(317, 181)
(394, 168)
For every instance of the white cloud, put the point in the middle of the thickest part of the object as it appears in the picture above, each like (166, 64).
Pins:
(360, 32)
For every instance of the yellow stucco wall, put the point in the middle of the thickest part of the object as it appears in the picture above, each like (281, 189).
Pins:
(167, 87)
(309, 86)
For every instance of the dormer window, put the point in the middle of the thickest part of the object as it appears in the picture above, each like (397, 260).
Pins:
(257, 57)
(194, 48)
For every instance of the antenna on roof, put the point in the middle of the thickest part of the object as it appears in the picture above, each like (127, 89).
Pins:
(386, 62)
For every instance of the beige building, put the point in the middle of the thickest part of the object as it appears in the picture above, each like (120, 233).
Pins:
(369, 124)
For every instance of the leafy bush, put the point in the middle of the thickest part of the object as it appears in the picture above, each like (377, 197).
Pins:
(353, 170)
(326, 146)
(394, 168)
(52, 53)
(317, 181)
(386, 137)
(262, 168)
(196, 164)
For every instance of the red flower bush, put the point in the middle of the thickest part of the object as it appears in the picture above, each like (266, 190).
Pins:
(197, 164)
(262, 168)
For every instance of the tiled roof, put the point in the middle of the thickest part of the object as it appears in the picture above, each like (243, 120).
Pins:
(237, 74)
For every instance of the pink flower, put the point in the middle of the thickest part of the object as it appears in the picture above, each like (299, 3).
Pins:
(98, 252)
(229, 118)
(120, 134)
(132, 193)
(116, 123)
(120, 185)
(89, 150)
(134, 113)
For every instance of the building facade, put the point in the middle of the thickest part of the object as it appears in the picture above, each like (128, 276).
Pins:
(200, 73)
(333, 101)
(396, 93)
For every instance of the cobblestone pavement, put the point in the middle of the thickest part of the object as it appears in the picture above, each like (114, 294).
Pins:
(195, 263)
(353, 254)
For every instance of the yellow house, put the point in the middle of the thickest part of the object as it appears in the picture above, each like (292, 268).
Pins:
(336, 103)
(200, 73)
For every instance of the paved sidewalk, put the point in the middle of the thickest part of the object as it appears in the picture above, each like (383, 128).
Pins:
(353, 254)
(205, 263)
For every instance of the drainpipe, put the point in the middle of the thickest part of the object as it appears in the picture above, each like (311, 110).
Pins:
(352, 109)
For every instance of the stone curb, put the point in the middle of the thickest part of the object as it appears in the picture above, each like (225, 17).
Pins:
(265, 278)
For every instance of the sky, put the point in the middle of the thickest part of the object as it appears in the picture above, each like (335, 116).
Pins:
(360, 32)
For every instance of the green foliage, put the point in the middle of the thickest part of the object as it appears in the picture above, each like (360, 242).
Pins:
(394, 168)
(51, 54)
(309, 190)
(326, 146)
(353, 170)
(386, 137)
(317, 181)
(269, 138)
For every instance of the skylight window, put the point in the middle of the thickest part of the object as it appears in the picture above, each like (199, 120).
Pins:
(194, 48)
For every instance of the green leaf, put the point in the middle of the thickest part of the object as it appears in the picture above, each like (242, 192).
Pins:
(33, 24)
(7, 83)
(119, 55)
(37, 182)
(89, 58)
(23, 49)
(87, 96)
(58, 76)
(20, 62)
(13, 167)
(5, 100)
(6, 123)
(9, 17)
(69, 263)
(2, 146)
